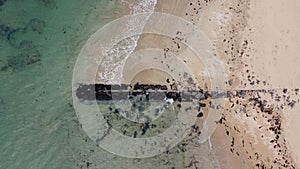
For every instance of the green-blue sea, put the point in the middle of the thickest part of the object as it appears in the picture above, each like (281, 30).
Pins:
(39, 43)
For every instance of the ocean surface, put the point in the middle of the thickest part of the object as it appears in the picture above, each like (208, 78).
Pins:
(39, 44)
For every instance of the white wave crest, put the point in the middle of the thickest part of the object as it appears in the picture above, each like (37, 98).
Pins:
(114, 58)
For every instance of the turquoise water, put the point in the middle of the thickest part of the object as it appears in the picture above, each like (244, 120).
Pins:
(39, 44)
(38, 124)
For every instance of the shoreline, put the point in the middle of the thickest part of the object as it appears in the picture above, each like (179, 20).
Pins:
(245, 41)
(242, 28)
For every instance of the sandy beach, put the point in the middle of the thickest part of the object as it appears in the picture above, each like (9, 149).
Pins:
(275, 48)
(257, 41)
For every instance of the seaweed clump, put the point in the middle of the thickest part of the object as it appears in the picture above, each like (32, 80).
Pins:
(9, 33)
(28, 52)
(29, 55)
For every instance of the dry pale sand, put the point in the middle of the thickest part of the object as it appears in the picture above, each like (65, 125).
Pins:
(257, 41)
(276, 41)
(269, 44)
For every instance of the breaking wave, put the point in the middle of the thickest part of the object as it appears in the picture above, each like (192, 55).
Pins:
(114, 58)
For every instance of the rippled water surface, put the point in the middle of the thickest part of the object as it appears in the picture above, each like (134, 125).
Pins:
(39, 44)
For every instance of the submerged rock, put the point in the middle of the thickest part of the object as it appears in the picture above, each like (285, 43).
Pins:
(37, 25)
(29, 55)
(18, 62)
(49, 3)
(2, 2)
(4, 30)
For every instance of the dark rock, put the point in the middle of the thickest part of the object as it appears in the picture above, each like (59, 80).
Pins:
(241, 93)
(292, 104)
(135, 134)
(156, 112)
(153, 125)
(145, 128)
(173, 95)
(284, 91)
(179, 105)
(206, 95)
(88, 164)
(202, 104)
(200, 114)
(116, 111)
(230, 82)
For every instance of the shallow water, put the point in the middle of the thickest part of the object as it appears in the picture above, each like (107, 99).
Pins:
(40, 42)
(38, 124)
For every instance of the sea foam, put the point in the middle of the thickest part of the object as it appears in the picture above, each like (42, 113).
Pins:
(114, 58)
